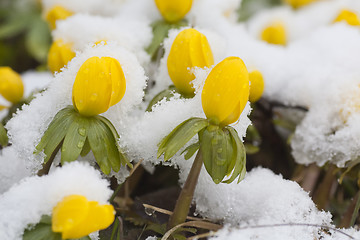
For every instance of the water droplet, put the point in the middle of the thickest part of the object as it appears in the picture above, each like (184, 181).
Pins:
(93, 97)
(80, 144)
(82, 131)
(149, 211)
(219, 150)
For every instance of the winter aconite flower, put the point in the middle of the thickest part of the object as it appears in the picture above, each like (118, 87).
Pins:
(299, 3)
(174, 10)
(99, 84)
(57, 13)
(274, 33)
(190, 49)
(11, 85)
(226, 91)
(75, 217)
(348, 16)
(60, 54)
(257, 85)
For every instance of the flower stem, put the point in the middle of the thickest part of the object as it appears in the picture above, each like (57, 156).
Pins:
(186, 195)
(46, 167)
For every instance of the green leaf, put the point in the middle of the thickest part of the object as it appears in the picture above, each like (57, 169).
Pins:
(191, 150)
(172, 143)
(167, 93)
(86, 148)
(98, 146)
(240, 164)
(217, 151)
(3, 136)
(38, 39)
(14, 26)
(55, 132)
(251, 149)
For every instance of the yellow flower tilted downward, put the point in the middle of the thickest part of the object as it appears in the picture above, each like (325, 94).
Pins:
(190, 49)
(299, 3)
(57, 13)
(226, 91)
(348, 16)
(99, 84)
(173, 10)
(60, 54)
(257, 85)
(75, 217)
(11, 85)
(274, 33)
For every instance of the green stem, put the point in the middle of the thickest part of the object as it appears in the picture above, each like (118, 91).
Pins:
(111, 200)
(356, 210)
(183, 203)
(46, 167)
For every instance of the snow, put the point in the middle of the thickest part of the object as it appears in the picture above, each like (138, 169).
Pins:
(33, 197)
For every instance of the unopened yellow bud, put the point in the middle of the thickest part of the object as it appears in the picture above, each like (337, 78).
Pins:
(256, 85)
(103, 42)
(348, 16)
(76, 217)
(173, 10)
(57, 13)
(60, 54)
(226, 91)
(190, 49)
(274, 33)
(99, 84)
(299, 3)
(11, 85)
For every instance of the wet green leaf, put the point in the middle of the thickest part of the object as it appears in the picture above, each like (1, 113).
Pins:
(3, 136)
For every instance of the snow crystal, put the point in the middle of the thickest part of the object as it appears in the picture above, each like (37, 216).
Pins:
(28, 125)
(33, 197)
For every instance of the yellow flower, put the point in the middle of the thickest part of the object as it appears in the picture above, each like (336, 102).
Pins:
(60, 54)
(350, 17)
(190, 49)
(11, 85)
(226, 91)
(173, 10)
(99, 84)
(76, 217)
(57, 13)
(299, 3)
(256, 85)
(274, 33)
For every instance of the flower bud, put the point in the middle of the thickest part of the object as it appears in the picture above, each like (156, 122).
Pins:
(174, 10)
(57, 13)
(299, 3)
(76, 217)
(11, 85)
(60, 54)
(350, 17)
(99, 84)
(256, 85)
(226, 91)
(274, 33)
(190, 49)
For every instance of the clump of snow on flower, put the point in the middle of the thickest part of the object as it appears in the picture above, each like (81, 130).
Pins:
(81, 29)
(29, 124)
(34, 197)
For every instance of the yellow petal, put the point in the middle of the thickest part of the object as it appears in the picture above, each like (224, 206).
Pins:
(226, 91)
(70, 212)
(173, 10)
(2, 107)
(348, 16)
(299, 3)
(256, 85)
(98, 217)
(274, 33)
(60, 54)
(57, 13)
(76, 217)
(11, 85)
(190, 49)
(99, 84)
